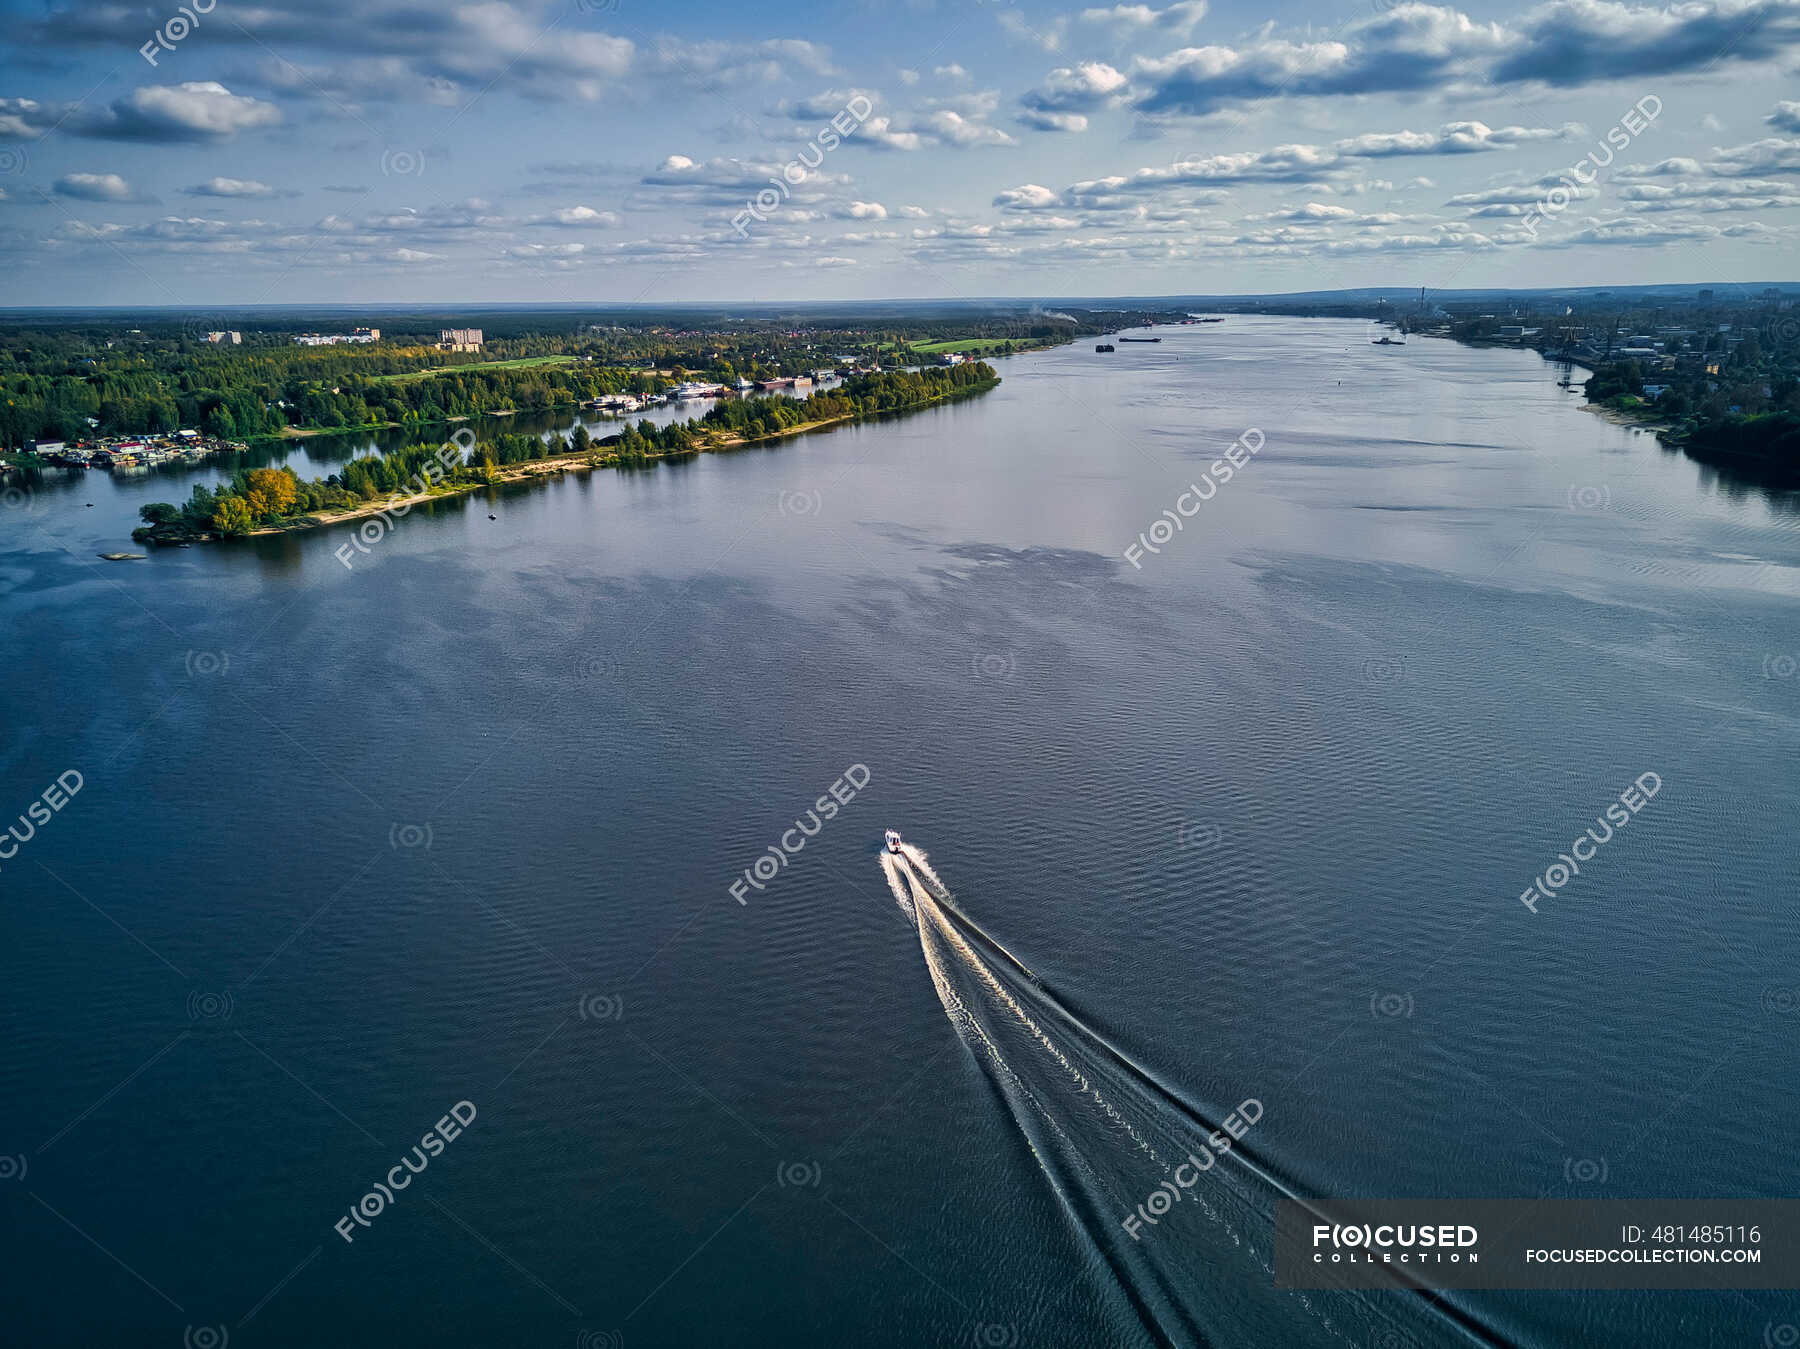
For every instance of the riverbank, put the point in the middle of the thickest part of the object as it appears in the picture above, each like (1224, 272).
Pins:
(603, 455)
(1638, 421)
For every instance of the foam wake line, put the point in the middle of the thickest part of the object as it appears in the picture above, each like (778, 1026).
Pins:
(1107, 1133)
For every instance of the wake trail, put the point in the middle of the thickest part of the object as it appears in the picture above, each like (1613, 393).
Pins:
(899, 883)
(1107, 1133)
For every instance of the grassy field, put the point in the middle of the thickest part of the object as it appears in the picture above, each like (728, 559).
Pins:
(520, 363)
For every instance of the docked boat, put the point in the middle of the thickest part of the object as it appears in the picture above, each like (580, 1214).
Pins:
(893, 840)
(1140, 339)
(1104, 346)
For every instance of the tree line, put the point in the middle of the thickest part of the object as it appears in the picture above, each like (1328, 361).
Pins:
(253, 497)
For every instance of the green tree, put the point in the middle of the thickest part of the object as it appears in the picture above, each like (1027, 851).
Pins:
(231, 517)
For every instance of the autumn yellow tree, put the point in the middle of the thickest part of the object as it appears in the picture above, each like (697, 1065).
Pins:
(270, 493)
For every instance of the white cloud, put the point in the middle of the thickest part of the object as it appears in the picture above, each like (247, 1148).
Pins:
(94, 187)
(1053, 121)
(230, 187)
(1179, 18)
(581, 217)
(1079, 88)
(199, 110)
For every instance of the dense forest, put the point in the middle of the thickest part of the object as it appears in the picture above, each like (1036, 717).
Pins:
(256, 497)
(66, 383)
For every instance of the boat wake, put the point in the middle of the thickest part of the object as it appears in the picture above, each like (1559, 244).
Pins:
(1168, 1196)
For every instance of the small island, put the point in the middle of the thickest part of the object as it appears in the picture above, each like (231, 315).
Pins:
(275, 500)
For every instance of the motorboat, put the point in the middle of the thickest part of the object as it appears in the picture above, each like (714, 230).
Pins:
(893, 840)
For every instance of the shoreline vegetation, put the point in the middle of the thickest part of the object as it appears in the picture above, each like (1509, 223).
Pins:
(275, 501)
(126, 376)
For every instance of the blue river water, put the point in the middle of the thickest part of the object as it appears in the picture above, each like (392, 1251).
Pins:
(1235, 806)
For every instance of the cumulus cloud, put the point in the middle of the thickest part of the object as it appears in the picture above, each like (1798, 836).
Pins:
(1053, 121)
(1576, 42)
(94, 187)
(199, 111)
(1410, 48)
(25, 119)
(1772, 155)
(1130, 20)
(232, 187)
(863, 210)
(1786, 117)
(1415, 47)
(1742, 194)
(578, 217)
(1030, 197)
(1522, 195)
(196, 111)
(1080, 88)
(1454, 138)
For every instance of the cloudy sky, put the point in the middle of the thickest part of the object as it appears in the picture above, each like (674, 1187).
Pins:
(614, 150)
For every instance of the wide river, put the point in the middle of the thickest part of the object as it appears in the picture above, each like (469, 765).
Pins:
(469, 820)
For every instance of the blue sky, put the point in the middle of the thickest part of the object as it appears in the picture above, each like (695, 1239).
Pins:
(276, 151)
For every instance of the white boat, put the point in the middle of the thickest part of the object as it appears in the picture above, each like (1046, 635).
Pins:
(893, 840)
